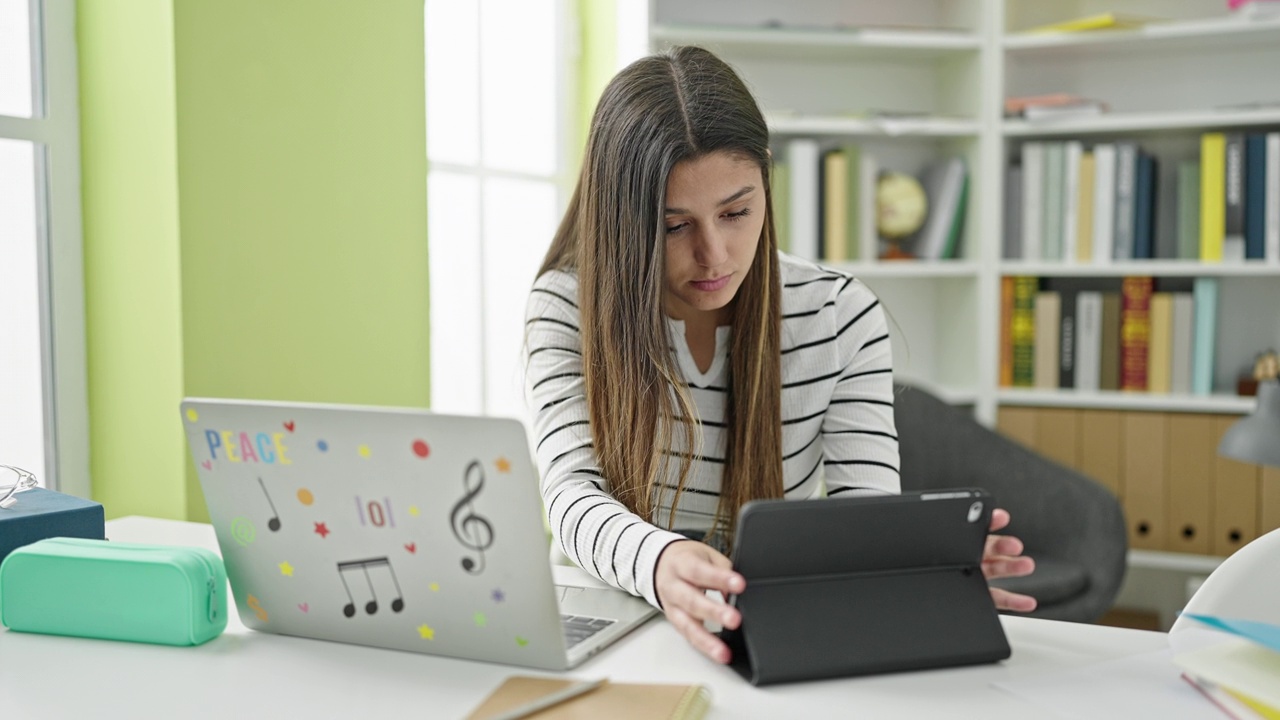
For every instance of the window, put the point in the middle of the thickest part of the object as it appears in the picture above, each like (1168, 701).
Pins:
(43, 413)
(498, 74)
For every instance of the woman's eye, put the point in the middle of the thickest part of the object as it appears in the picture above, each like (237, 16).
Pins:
(672, 229)
(740, 214)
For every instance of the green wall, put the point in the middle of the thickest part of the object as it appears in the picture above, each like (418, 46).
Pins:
(290, 164)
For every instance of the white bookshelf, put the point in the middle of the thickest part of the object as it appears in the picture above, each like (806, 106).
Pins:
(833, 70)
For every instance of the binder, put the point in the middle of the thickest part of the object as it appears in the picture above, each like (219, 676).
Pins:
(1058, 435)
(1101, 444)
(1269, 501)
(1018, 424)
(1145, 501)
(806, 200)
(1192, 453)
(1160, 349)
(1235, 498)
(1048, 317)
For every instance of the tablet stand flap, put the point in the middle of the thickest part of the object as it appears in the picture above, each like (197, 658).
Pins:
(807, 628)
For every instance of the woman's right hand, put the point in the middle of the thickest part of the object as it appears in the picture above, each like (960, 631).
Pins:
(686, 570)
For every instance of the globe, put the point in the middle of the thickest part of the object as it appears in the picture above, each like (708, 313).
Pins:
(900, 205)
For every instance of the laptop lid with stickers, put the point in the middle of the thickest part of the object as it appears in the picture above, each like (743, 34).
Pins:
(395, 528)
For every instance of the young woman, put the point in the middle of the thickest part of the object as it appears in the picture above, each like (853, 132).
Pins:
(680, 366)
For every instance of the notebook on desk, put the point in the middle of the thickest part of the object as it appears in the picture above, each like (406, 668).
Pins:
(396, 528)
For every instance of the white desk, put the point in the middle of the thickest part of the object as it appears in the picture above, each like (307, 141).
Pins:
(246, 674)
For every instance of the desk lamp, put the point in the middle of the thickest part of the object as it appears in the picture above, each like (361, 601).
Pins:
(1256, 438)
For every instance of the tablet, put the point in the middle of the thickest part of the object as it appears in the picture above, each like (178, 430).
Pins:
(851, 586)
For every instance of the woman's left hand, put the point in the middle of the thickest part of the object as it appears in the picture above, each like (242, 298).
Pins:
(1002, 557)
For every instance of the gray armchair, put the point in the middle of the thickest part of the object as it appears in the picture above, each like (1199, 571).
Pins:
(1070, 524)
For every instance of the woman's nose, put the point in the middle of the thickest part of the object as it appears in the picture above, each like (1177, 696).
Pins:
(711, 249)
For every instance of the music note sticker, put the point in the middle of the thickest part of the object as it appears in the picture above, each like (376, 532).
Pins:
(370, 607)
(472, 530)
(274, 523)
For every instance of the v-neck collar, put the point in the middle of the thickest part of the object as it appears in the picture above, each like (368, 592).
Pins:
(685, 357)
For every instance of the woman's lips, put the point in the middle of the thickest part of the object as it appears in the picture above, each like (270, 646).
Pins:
(711, 285)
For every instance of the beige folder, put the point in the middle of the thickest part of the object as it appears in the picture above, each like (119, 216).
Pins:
(1018, 424)
(1235, 498)
(1193, 449)
(1058, 435)
(1101, 442)
(1269, 501)
(1146, 442)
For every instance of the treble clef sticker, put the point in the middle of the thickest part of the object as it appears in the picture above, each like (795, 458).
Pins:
(472, 530)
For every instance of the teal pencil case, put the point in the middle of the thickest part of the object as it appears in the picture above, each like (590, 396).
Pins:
(114, 591)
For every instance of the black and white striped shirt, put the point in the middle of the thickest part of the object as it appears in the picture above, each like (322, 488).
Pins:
(837, 418)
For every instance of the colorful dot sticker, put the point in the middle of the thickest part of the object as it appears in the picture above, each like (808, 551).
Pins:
(480, 620)
(305, 497)
(503, 465)
(322, 446)
(192, 415)
(435, 587)
(521, 641)
(364, 451)
(426, 633)
(421, 449)
(286, 569)
(498, 595)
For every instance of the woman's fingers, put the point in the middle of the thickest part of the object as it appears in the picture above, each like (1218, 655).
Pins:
(998, 566)
(697, 636)
(1002, 545)
(1016, 602)
(709, 570)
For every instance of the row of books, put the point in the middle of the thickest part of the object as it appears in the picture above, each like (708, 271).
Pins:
(1071, 204)
(1086, 334)
(827, 204)
(1240, 671)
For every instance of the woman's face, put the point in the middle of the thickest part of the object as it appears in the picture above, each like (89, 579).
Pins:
(714, 214)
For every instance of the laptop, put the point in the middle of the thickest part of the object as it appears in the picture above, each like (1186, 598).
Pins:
(396, 528)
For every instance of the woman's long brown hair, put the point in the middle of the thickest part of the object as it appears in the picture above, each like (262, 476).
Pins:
(658, 112)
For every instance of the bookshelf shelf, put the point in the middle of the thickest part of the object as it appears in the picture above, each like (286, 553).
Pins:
(1178, 562)
(1144, 122)
(1115, 400)
(1158, 268)
(1178, 36)
(909, 269)
(939, 127)
(900, 44)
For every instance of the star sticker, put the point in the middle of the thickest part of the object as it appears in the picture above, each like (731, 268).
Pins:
(480, 620)
(503, 465)
(435, 587)
(498, 596)
(286, 569)
(321, 530)
(426, 633)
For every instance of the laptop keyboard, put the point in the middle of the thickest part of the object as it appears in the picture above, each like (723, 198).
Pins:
(578, 628)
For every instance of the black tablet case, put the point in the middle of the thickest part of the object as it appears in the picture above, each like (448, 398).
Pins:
(852, 586)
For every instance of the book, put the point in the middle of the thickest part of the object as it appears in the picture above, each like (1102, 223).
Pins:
(1006, 331)
(853, 202)
(1048, 314)
(1160, 347)
(1054, 190)
(945, 185)
(868, 237)
(1071, 199)
(1032, 199)
(1100, 21)
(1135, 332)
(1189, 211)
(1125, 209)
(1082, 108)
(1233, 196)
(624, 701)
(1180, 352)
(835, 205)
(1235, 705)
(1017, 105)
(1109, 355)
(1104, 198)
(1084, 209)
(1247, 667)
(1067, 340)
(1023, 330)
(1213, 149)
(1204, 337)
(1088, 340)
(1012, 249)
(1144, 217)
(806, 199)
(1255, 197)
(780, 194)
(1273, 197)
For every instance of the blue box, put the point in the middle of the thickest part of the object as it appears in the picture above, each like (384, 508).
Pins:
(41, 513)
